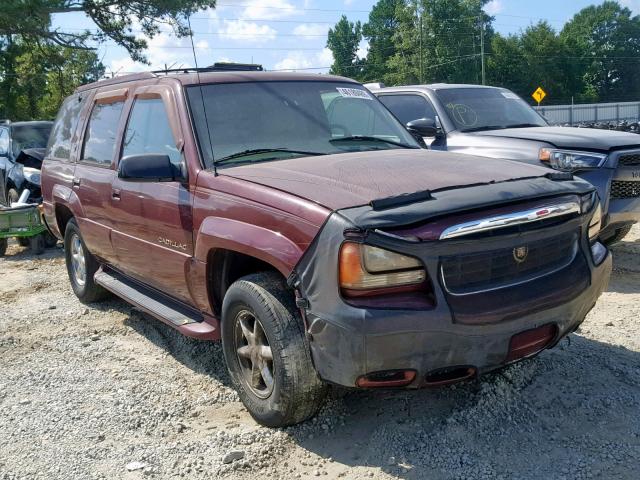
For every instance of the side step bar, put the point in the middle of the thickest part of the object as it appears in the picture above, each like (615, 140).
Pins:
(188, 321)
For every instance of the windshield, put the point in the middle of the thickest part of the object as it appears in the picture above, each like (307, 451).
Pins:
(260, 121)
(475, 109)
(29, 136)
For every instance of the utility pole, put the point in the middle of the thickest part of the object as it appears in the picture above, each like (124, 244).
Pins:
(484, 79)
(419, 13)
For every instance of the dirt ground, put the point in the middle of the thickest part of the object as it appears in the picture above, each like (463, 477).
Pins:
(103, 392)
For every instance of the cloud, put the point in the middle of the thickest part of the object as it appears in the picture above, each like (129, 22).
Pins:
(363, 49)
(493, 7)
(247, 31)
(265, 9)
(633, 5)
(311, 30)
(298, 60)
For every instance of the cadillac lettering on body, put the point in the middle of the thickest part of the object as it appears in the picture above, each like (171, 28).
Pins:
(171, 243)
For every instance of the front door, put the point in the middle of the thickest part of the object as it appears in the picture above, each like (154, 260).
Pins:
(153, 226)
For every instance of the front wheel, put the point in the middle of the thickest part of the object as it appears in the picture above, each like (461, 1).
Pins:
(267, 353)
(81, 266)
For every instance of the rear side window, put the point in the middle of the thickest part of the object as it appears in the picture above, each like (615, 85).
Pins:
(59, 145)
(100, 138)
(149, 131)
(407, 108)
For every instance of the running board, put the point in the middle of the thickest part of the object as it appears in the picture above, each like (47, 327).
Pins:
(188, 321)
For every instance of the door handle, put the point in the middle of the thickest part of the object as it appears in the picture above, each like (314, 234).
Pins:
(75, 182)
(115, 194)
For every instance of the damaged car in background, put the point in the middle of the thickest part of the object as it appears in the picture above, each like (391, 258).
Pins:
(294, 218)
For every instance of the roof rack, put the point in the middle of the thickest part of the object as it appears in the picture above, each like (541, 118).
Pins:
(216, 67)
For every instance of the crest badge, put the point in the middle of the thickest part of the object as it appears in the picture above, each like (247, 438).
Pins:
(520, 254)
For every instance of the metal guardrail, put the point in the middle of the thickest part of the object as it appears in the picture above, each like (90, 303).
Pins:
(591, 113)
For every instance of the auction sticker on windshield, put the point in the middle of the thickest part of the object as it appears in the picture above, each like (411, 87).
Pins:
(353, 93)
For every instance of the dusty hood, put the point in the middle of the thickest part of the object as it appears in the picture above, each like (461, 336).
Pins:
(570, 137)
(351, 179)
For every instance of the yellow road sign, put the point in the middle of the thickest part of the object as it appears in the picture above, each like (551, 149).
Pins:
(539, 95)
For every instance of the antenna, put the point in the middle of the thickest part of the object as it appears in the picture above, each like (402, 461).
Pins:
(204, 108)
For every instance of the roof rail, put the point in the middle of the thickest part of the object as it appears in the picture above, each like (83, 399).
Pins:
(116, 80)
(216, 67)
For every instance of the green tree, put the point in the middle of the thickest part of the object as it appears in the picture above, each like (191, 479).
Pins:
(439, 41)
(379, 33)
(603, 42)
(36, 78)
(115, 20)
(343, 40)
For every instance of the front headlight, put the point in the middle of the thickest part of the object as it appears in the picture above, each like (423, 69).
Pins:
(31, 175)
(570, 161)
(365, 268)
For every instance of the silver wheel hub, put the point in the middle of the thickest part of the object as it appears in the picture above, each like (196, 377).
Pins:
(254, 354)
(78, 264)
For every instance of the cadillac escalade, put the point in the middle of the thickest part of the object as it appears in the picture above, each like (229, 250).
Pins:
(295, 219)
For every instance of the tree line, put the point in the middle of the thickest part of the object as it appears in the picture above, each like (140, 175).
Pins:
(594, 57)
(40, 64)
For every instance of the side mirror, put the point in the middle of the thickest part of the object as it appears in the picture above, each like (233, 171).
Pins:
(149, 167)
(423, 127)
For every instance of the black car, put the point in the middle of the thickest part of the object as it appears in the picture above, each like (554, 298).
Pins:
(497, 123)
(22, 146)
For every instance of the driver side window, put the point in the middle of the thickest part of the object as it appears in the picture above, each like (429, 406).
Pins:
(149, 131)
(407, 108)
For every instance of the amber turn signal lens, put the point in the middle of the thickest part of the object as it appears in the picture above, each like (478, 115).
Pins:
(351, 272)
(545, 155)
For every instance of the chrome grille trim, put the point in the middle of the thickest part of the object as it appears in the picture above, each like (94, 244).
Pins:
(510, 219)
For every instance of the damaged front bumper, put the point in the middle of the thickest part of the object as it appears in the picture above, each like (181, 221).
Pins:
(462, 334)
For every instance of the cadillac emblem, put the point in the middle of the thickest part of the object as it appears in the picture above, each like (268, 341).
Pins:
(520, 253)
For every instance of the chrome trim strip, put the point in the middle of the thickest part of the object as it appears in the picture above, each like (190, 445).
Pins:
(517, 282)
(510, 219)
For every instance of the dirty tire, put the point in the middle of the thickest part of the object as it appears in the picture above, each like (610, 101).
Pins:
(36, 243)
(618, 235)
(3, 246)
(297, 391)
(89, 291)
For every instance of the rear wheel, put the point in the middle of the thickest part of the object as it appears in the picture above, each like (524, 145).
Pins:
(81, 266)
(267, 353)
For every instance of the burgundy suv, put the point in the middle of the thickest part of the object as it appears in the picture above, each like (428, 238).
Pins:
(294, 218)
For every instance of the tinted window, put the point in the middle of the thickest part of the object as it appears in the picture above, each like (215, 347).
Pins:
(4, 141)
(29, 136)
(64, 127)
(148, 131)
(100, 139)
(352, 116)
(408, 107)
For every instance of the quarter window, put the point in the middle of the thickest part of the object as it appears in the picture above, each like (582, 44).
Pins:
(407, 108)
(100, 139)
(149, 131)
(64, 127)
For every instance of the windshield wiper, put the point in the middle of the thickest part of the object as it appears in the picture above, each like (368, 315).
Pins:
(484, 127)
(257, 151)
(523, 125)
(366, 138)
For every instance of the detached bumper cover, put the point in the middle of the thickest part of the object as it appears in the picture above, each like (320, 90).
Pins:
(473, 329)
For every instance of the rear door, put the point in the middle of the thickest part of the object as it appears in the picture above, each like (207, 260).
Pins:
(95, 171)
(153, 225)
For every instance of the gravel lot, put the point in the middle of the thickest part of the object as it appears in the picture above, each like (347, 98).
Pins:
(104, 392)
